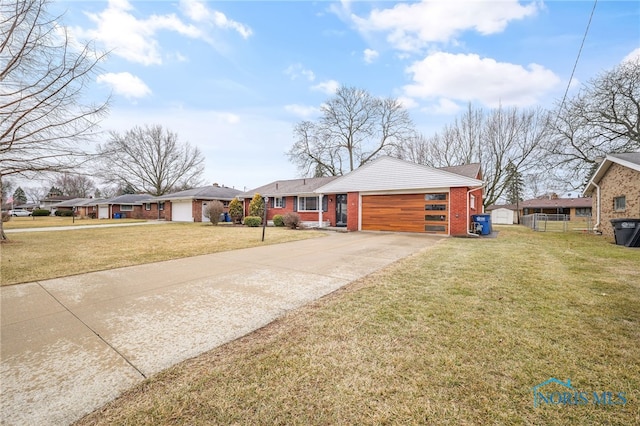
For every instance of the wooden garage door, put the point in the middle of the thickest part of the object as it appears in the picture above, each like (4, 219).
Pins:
(406, 213)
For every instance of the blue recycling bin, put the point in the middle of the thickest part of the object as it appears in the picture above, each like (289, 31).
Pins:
(485, 221)
(227, 218)
(116, 215)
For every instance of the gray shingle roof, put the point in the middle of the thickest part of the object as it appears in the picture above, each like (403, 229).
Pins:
(290, 187)
(129, 199)
(469, 170)
(203, 193)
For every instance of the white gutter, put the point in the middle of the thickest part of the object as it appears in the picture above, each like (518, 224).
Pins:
(320, 210)
(597, 225)
(467, 212)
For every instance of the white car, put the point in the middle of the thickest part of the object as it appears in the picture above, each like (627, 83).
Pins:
(19, 213)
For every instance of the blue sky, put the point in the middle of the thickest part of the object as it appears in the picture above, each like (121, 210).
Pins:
(233, 77)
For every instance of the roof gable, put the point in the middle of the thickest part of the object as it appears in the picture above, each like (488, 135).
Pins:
(290, 187)
(630, 160)
(388, 174)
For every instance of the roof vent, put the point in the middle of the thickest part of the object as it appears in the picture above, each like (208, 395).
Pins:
(216, 185)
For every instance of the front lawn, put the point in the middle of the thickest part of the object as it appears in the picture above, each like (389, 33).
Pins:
(459, 334)
(49, 221)
(32, 256)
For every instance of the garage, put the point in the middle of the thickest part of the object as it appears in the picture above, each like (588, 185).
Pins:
(426, 213)
(103, 212)
(181, 211)
(502, 216)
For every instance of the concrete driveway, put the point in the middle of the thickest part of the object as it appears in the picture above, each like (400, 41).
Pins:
(70, 345)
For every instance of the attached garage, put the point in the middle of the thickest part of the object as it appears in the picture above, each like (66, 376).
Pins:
(103, 212)
(181, 211)
(427, 213)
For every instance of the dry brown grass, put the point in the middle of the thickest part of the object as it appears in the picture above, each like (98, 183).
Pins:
(32, 256)
(457, 335)
(49, 221)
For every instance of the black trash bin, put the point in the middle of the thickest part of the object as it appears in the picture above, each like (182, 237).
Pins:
(626, 231)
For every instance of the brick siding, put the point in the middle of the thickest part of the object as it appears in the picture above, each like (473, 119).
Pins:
(618, 181)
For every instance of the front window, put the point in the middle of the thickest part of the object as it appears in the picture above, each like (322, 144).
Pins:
(277, 203)
(147, 206)
(619, 203)
(583, 211)
(161, 206)
(308, 204)
(126, 208)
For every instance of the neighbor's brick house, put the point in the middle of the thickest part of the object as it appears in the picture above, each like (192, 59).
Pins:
(615, 190)
(132, 206)
(189, 205)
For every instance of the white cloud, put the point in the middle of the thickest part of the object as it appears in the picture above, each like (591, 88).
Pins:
(412, 26)
(407, 102)
(469, 77)
(329, 87)
(125, 84)
(296, 71)
(370, 55)
(303, 111)
(135, 39)
(445, 107)
(633, 56)
(198, 11)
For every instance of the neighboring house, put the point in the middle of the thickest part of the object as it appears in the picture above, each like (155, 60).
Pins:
(573, 208)
(134, 206)
(386, 194)
(72, 204)
(615, 189)
(298, 195)
(89, 208)
(50, 203)
(190, 205)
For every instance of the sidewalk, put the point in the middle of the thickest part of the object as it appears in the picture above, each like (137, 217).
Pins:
(69, 345)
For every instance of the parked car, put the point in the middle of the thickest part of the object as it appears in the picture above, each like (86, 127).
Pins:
(19, 213)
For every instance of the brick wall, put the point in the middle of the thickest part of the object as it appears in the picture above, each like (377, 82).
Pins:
(353, 207)
(329, 215)
(618, 181)
(458, 211)
(140, 212)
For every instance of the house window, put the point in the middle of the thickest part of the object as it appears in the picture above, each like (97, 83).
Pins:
(436, 197)
(161, 205)
(619, 203)
(435, 218)
(126, 208)
(277, 203)
(473, 202)
(438, 207)
(583, 211)
(309, 204)
(147, 206)
(435, 228)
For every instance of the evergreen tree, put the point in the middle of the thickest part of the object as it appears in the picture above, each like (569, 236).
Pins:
(514, 184)
(256, 206)
(19, 197)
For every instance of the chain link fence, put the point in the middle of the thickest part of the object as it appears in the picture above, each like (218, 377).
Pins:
(544, 222)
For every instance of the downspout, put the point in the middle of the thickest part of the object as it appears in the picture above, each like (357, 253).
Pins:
(469, 233)
(320, 211)
(596, 227)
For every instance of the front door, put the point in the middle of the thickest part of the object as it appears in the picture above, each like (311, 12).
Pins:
(341, 210)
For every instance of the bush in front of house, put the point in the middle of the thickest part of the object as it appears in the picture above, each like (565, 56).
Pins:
(236, 210)
(40, 212)
(252, 221)
(256, 206)
(291, 220)
(278, 220)
(63, 213)
(213, 211)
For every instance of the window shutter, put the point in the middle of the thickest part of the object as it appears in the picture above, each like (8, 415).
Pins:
(295, 204)
(325, 204)
(272, 202)
(284, 202)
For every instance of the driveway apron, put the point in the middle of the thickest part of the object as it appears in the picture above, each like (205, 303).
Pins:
(69, 345)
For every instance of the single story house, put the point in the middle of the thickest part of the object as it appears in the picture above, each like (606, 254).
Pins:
(72, 204)
(51, 202)
(573, 208)
(615, 190)
(386, 194)
(190, 205)
(136, 206)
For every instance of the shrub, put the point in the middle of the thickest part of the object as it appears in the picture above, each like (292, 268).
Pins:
(6, 217)
(278, 220)
(213, 211)
(256, 206)
(64, 213)
(92, 215)
(40, 212)
(291, 220)
(235, 210)
(252, 221)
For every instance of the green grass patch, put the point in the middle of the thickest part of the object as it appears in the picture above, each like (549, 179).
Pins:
(32, 256)
(459, 334)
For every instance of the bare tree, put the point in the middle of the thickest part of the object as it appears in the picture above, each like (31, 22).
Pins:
(44, 125)
(150, 159)
(603, 118)
(355, 127)
(36, 193)
(75, 185)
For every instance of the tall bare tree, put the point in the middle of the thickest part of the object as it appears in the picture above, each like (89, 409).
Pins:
(602, 118)
(354, 128)
(75, 185)
(150, 159)
(44, 121)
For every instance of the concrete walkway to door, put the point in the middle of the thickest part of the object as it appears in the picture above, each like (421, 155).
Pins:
(69, 345)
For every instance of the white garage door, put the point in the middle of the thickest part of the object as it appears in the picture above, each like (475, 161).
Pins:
(502, 217)
(103, 212)
(181, 211)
